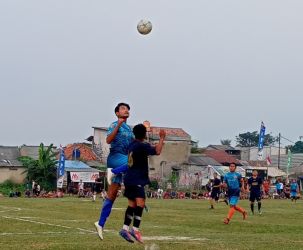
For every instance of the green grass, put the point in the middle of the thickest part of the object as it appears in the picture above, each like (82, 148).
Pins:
(68, 224)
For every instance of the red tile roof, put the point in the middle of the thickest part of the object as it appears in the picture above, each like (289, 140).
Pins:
(170, 132)
(86, 152)
(221, 156)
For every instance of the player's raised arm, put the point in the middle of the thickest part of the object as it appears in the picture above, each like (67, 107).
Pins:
(159, 145)
(113, 134)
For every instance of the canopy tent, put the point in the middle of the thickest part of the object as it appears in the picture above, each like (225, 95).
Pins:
(272, 171)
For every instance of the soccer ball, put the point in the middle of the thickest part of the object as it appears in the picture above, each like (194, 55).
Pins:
(144, 27)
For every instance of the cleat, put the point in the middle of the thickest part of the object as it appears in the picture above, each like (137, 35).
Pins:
(244, 215)
(126, 235)
(137, 235)
(99, 230)
(226, 221)
(260, 212)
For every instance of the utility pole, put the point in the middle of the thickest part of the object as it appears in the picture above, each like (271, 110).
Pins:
(279, 151)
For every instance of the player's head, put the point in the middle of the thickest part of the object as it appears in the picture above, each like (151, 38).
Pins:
(122, 110)
(294, 180)
(255, 173)
(232, 167)
(215, 175)
(139, 131)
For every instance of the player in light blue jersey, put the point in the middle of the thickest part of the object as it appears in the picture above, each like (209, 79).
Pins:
(233, 181)
(119, 136)
(294, 190)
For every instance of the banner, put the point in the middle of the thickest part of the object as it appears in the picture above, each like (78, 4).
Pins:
(60, 182)
(261, 141)
(84, 176)
(61, 162)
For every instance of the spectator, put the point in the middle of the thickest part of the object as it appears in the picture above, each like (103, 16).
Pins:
(27, 193)
(81, 189)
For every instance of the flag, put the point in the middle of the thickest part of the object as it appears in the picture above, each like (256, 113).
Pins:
(61, 162)
(289, 161)
(261, 141)
(268, 160)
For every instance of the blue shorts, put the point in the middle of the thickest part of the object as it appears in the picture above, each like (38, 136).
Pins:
(118, 179)
(117, 160)
(293, 194)
(233, 200)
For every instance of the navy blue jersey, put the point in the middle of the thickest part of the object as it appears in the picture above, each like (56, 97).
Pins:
(255, 184)
(216, 185)
(137, 173)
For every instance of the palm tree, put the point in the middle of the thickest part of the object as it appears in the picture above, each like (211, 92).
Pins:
(43, 170)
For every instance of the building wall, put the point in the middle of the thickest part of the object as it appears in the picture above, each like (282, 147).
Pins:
(16, 175)
(100, 144)
(173, 154)
(251, 154)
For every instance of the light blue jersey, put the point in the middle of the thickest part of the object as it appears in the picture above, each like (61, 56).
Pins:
(293, 187)
(119, 146)
(233, 180)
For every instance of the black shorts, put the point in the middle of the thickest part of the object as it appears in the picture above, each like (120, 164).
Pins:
(255, 196)
(133, 192)
(215, 195)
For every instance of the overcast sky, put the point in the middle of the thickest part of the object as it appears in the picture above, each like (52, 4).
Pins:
(214, 68)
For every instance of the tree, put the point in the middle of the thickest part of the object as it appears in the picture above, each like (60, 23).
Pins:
(43, 170)
(226, 142)
(251, 139)
(297, 148)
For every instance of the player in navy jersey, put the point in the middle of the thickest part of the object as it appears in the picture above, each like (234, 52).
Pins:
(233, 181)
(215, 191)
(135, 179)
(255, 184)
(119, 136)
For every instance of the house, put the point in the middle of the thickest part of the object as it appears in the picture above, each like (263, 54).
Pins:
(227, 148)
(251, 153)
(10, 168)
(222, 157)
(197, 171)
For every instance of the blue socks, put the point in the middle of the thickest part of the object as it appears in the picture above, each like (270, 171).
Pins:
(106, 209)
(120, 169)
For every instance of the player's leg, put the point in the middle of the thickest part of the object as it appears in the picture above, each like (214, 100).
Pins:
(252, 202)
(211, 201)
(259, 204)
(238, 208)
(129, 215)
(140, 204)
(107, 207)
(233, 200)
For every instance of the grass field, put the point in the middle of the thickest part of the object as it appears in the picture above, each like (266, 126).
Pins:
(170, 224)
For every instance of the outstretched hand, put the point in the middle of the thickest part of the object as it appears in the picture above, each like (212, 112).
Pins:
(162, 134)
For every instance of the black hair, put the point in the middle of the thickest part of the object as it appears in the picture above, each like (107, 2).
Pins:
(121, 104)
(139, 131)
(233, 163)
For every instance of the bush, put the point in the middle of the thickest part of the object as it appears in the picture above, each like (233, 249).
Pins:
(8, 186)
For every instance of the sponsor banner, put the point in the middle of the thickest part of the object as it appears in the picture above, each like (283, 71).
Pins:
(84, 176)
(261, 142)
(61, 162)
